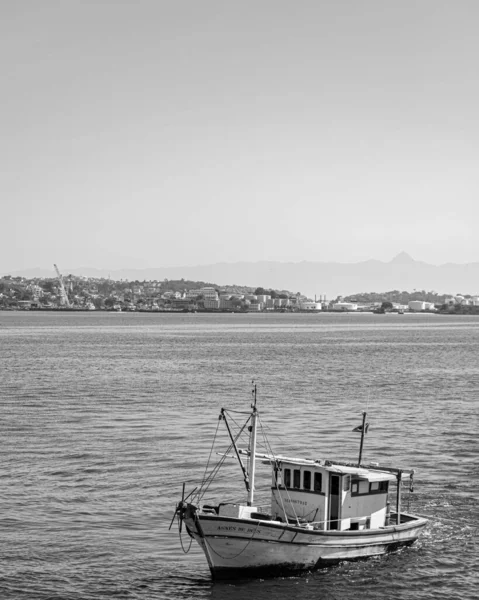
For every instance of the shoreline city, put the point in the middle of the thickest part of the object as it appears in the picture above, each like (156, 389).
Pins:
(75, 293)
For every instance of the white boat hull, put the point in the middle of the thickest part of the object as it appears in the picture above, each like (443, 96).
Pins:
(248, 547)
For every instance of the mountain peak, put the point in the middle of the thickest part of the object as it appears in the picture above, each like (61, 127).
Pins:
(403, 258)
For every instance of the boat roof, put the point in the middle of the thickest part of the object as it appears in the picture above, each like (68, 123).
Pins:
(372, 473)
(362, 473)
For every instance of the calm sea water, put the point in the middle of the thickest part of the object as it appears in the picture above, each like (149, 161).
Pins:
(103, 416)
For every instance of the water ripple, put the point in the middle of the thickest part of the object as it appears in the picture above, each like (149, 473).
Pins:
(105, 416)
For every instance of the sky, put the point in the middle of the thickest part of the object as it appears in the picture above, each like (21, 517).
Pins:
(155, 134)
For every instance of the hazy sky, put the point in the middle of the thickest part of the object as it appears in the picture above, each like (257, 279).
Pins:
(154, 133)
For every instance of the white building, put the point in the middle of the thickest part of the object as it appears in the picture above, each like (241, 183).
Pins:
(417, 305)
(345, 306)
(310, 305)
(208, 293)
(172, 295)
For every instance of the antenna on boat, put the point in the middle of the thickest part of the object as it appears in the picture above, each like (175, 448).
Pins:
(363, 428)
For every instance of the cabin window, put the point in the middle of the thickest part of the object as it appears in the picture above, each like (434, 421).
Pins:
(383, 486)
(307, 480)
(318, 480)
(297, 478)
(287, 478)
(346, 483)
(369, 487)
(364, 487)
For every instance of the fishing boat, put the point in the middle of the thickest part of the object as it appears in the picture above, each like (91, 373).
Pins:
(321, 511)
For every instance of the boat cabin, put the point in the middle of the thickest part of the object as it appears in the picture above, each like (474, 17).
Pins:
(329, 496)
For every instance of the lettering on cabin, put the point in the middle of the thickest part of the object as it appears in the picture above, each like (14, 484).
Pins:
(295, 501)
(226, 528)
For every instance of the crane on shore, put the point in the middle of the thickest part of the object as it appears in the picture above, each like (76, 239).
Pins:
(63, 293)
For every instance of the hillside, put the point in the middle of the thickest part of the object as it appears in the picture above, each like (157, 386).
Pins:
(321, 278)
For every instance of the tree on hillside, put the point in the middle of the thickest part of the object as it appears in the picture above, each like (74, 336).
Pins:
(48, 286)
(98, 302)
(237, 302)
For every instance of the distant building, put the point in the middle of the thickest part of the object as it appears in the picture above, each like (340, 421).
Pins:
(345, 306)
(416, 305)
(310, 305)
(182, 303)
(171, 294)
(207, 292)
(210, 303)
(226, 302)
(25, 304)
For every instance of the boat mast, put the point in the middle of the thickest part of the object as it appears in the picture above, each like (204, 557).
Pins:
(363, 426)
(245, 474)
(398, 497)
(252, 457)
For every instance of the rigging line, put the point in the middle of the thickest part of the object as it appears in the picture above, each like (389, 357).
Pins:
(241, 431)
(280, 495)
(275, 435)
(208, 480)
(267, 445)
(212, 474)
(235, 422)
(246, 438)
(274, 463)
(220, 463)
(238, 425)
(211, 452)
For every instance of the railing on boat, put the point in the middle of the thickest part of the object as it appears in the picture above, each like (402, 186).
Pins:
(355, 523)
(262, 514)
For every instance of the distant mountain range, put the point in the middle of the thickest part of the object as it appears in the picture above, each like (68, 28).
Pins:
(320, 278)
